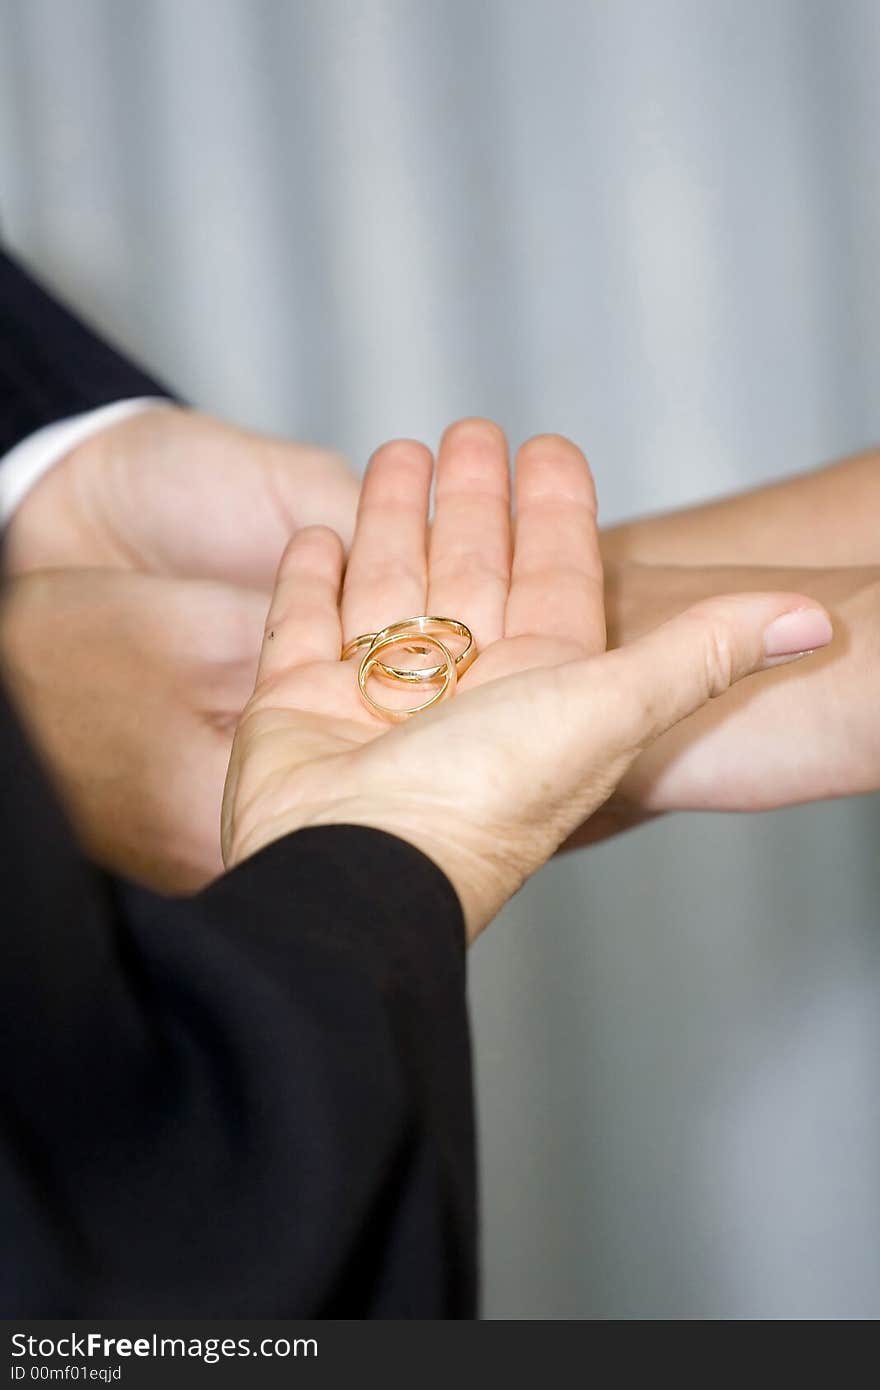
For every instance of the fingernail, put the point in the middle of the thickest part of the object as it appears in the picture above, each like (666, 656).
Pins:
(795, 634)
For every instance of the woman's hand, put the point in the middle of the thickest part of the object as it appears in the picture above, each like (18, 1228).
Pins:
(824, 517)
(543, 724)
(792, 735)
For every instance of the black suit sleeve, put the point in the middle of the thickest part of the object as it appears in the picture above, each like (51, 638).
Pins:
(255, 1102)
(51, 364)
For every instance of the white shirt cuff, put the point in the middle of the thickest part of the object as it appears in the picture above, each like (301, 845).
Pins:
(24, 465)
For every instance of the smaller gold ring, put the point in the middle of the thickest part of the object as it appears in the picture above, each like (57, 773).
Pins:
(418, 627)
(425, 626)
(371, 661)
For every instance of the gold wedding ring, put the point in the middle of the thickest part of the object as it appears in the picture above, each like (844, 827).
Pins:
(415, 635)
(420, 626)
(371, 661)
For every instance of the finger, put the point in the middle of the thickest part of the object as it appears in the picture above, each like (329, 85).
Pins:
(556, 580)
(385, 578)
(303, 622)
(226, 649)
(317, 487)
(638, 692)
(469, 553)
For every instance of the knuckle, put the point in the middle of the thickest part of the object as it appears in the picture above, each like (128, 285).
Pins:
(466, 569)
(638, 715)
(629, 707)
(383, 577)
(718, 660)
(553, 469)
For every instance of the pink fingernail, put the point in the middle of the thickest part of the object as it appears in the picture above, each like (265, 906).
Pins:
(796, 633)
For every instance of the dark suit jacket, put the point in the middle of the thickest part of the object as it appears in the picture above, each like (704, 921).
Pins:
(255, 1102)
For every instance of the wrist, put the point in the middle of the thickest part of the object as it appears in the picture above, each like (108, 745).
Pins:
(62, 520)
(480, 890)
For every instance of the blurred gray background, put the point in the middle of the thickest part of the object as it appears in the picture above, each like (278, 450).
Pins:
(651, 224)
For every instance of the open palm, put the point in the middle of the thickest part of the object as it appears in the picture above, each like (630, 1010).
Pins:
(542, 725)
(532, 598)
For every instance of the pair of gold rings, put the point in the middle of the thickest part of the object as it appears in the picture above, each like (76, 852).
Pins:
(418, 637)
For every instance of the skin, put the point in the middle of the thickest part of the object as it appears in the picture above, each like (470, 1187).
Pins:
(826, 517)
(105, 666)
(802, 733)
(129, 685)
(141, 567)
(171, 491)
(791, 736)
(543, 724)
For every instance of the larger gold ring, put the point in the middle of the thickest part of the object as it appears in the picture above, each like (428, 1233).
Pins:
(422, 626)
(371, 662)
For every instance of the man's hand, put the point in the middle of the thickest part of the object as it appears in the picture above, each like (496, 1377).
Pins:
(132, 658)
(170, 491)
(543, 724)
(130, 686)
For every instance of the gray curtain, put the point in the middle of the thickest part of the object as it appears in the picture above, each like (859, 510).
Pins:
(651, 225)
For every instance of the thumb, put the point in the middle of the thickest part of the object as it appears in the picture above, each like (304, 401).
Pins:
(671, 672)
